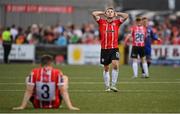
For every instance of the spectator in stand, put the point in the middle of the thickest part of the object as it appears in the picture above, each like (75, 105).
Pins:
(62, 40)
(49, 35)
(14, 32)
(175, 36)
(34, 36)
(27, 32)
(20, 38)
(165, 26)
(59, 28)
(88, 36)
(158, 42)
(74, 37)
(1, 30)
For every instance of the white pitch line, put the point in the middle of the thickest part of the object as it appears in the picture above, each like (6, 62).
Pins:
(103, 91)
(9, 78)
(91, 83)
(126, 83)
(78, 77)
(11, 90)
(12, 83)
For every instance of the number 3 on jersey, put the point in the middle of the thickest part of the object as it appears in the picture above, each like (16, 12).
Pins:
(45, 91)
(139, 37)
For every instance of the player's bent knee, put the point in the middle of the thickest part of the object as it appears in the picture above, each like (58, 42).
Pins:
(115, 66)
(143, 59)
(135, 60)
(106, 68)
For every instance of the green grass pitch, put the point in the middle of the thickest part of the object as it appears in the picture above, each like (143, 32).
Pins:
(160, 93)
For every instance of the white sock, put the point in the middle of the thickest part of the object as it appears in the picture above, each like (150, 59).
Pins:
(145, 67)
(135, 68)
(114, 77)
(106, 78)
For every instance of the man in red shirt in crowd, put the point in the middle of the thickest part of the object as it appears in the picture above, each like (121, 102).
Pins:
(109, 22)
(45, 87)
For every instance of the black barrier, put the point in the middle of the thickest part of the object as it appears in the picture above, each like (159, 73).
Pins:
(145, 4)
(59, 53)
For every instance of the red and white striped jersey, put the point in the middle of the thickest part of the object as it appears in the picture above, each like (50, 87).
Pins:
(109, 33)
(46, 83)
(138, 35)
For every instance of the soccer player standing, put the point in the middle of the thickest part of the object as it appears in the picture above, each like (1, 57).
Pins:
(150, 35)
(45, 87)
(138, 42)
(108, 30)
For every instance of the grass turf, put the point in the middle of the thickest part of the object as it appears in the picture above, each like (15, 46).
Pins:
(160, 93)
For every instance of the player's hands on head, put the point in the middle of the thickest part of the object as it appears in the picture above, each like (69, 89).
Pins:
(74, 108)
(115, 14)
(18, 108)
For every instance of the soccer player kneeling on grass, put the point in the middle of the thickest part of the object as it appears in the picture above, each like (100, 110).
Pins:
(45, 87)
(109, 22)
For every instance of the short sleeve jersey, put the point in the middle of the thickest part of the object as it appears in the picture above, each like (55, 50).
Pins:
(108, 32)
(46, 83)
(138, 35)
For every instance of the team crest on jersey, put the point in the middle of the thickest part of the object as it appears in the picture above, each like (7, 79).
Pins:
(110, 31)
(113, 24)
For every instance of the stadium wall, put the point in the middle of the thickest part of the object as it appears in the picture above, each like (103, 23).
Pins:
(153, 5)
(163, 54)
(80, 14)
(24, 52)
(87, 54)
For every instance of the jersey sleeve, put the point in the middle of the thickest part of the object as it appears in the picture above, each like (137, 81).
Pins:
(120, 20)
(29, 79)
(60, 79)
(154, 36)
(132, 31)
(99, 21)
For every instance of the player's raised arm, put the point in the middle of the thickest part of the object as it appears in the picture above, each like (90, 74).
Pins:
(96, 14)
(123, 15)
(154, 36)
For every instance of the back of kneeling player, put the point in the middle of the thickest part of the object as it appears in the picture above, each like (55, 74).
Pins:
(45, 87)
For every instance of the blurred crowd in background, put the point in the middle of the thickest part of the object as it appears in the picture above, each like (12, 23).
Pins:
(166, 27)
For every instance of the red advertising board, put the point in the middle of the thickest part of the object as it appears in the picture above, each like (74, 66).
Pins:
(38, 8)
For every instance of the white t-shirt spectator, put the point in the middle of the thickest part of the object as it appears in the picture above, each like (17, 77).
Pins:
(14, 33)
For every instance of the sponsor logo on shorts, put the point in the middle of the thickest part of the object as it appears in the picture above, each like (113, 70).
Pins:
(133, 55)
(102, 59)
(117, 55)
